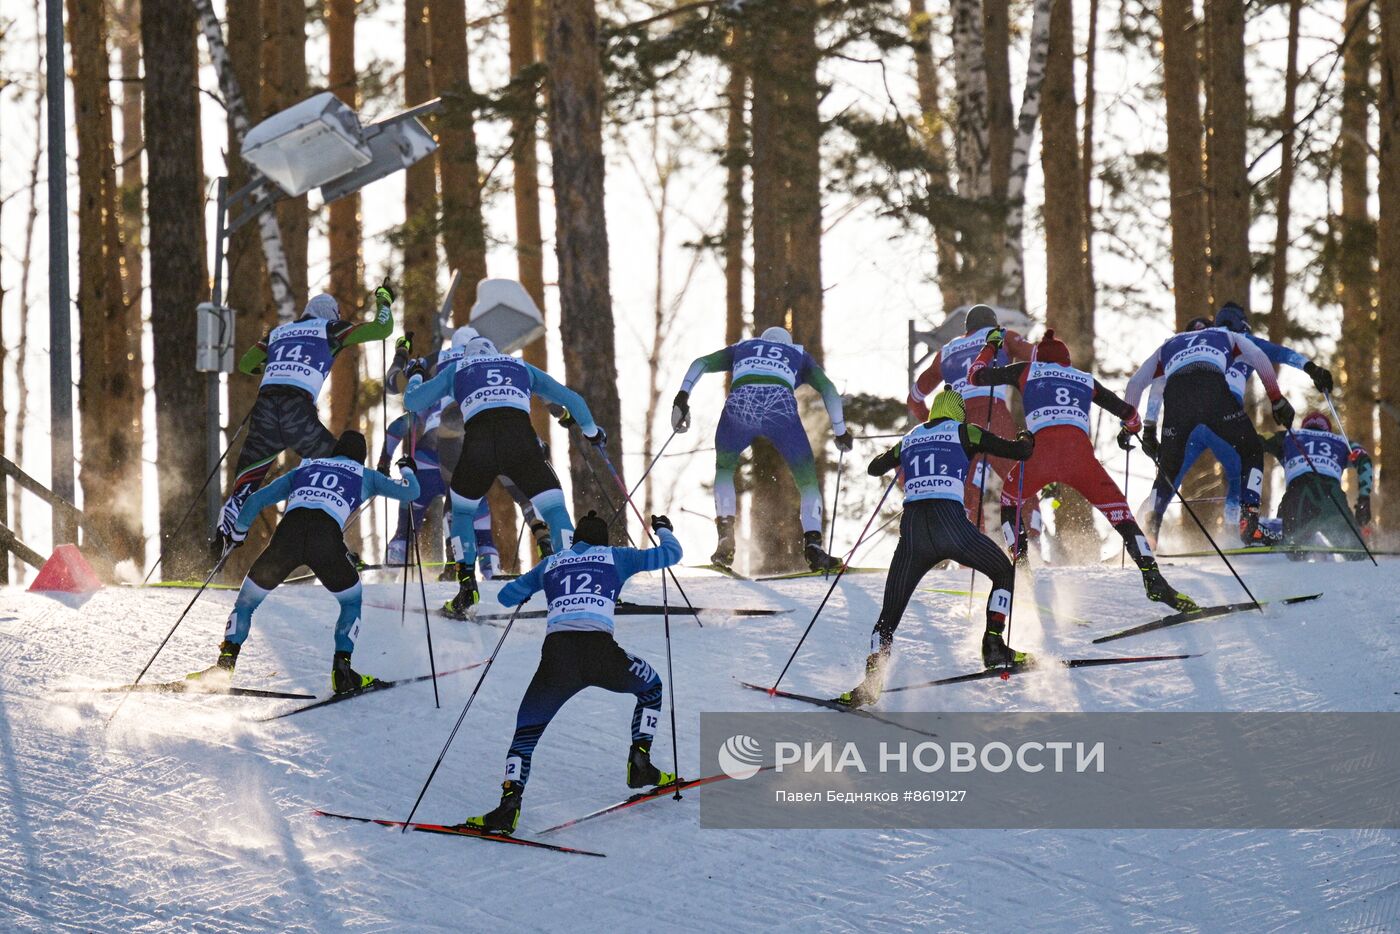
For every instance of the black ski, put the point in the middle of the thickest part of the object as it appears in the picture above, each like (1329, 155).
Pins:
(1191, 616)
(462, 832)
(642, 609)
(1008, 671)
(372, 689)
(193, 688)
(798, 575)
(720, 569)
(651, 794)
(834, 704)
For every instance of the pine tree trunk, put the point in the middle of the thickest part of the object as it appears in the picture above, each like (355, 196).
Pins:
(129, 184)
(1357, 346)
(284, 84)
(931, 124)
(1088, 156)
(1278, 299)
(420, 254)
(787, 238)
(1227, 174)
(1001, 132)
(529, 238)
(175, 187)
(1388, 235)
(345, 234)
(1012, 281)
(736, 157)
(1182, 85)
(109, 386)
(581, 238)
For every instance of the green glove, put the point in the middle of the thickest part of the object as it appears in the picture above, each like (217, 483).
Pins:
(384, 295)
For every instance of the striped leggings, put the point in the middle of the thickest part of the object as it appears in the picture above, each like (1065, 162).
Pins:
(934, 530)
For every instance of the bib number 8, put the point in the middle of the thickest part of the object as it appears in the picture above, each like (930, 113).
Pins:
(1062, 395)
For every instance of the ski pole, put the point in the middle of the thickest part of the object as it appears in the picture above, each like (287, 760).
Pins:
(835, 502)
(1201, 525)
(1127, 459)
(463, 715)
(646, 473)
(218, 566)
(981, 494)
(607, 462)
(198, 496)
(839, 574)
(1020, 495)
(1332, 494)
(671, 683)
(422, 587)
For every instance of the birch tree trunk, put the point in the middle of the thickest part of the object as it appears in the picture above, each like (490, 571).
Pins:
(581, 238)
(1357, 346)
(1013, 272)
(1228, 176)
(109, 385)
(973, 151)
(178, 281)
(1388, 185)
(1182, 85)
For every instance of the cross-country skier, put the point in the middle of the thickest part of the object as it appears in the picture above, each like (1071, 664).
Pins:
(493, 391)
(582, 586)
(321, 493)
(1314, 457)
(989, 410)
(934, 459)
(1194, 364)
(1057, 398)
(294, 360)
(766, 370)
(1233, 317)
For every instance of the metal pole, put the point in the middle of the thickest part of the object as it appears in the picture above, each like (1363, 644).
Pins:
(212, 408)
(60, 338)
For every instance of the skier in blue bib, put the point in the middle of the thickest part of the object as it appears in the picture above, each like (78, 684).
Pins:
(1202, 439)
(581, 585)
(294, 360)
(761, 404)
(322, 493)
(1314, 458)
(493, 392)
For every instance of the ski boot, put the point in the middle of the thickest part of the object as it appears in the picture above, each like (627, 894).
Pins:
(640, 772)
(997, 654)
(221, 672)
(449, 570)
(504, 817)
(346, 680)
(724, 553)
(488, 562)
(868, 691)
(544, 545)
(1253, 532)
(817, 558)
(463, 606)
(1159, 591)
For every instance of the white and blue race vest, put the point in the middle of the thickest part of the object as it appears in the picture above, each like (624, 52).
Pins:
(1057, 395)
(433, 417)
(767, 359)
(934, 462)
(581, 588)
(331, 484)
(1213, 346)
(1327, 451)
(299, 354)
(1237, 378)
(955, 359)
(491, 381)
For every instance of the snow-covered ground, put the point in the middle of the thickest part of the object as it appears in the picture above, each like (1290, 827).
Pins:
(187, 814)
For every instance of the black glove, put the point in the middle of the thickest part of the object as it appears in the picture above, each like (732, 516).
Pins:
(383, 465)
(599, 437)
(1283, 412)
(405, 343)
(416, 368)
(406, 463)
(1363, 510)
(1149, 440)
(566, 420)
(680, 412)
(1321, 377)
(1026, 441)
(995, 337)
(1125, 439)
(845, 441)
(661, 522)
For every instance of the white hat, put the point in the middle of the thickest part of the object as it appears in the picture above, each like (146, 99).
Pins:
(776, 335)
(478, 346)
(323, 306)
(462, 336)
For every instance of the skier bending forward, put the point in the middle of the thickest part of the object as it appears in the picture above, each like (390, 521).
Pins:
(322, 494)
(934, 459)
(582, 585)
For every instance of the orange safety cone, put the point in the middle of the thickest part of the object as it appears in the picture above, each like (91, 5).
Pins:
(67, 571)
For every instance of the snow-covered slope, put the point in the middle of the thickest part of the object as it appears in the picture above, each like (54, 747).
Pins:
(187, 814)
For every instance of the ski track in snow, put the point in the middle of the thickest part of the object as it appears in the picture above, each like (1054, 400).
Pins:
(188, 815)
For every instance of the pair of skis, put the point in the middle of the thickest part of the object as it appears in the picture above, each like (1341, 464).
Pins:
(794, 575)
